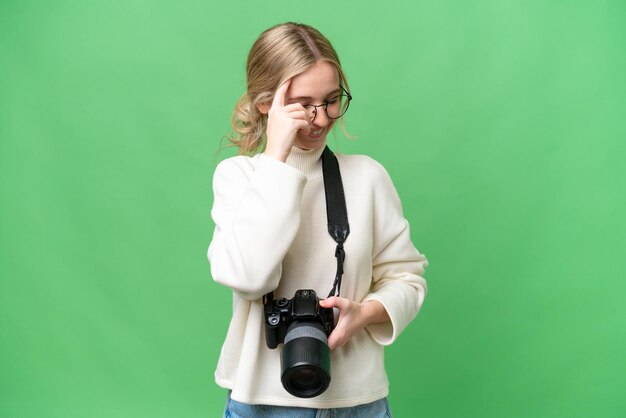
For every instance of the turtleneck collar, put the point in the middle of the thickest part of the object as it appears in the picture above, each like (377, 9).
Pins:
(309, 162)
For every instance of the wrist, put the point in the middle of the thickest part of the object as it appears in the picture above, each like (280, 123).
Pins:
(279, 155)
(375, 312)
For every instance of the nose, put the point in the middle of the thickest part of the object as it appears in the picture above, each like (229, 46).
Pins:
(321, 118)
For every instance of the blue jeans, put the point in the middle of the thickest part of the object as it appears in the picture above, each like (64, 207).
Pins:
(377, 409)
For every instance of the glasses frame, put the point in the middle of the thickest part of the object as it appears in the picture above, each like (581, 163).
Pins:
(325, 105)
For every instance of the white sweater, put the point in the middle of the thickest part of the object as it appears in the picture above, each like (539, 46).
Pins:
(271, 235)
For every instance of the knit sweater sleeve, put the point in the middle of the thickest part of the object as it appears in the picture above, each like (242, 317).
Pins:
(256, 210)
(397, 266)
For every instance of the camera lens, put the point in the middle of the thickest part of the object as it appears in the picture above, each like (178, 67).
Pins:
(306, 378)
(306, 381)
(305, 360)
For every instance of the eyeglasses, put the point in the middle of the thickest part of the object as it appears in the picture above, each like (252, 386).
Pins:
(334, 107)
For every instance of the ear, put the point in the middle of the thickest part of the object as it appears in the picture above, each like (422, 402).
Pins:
(264, 108)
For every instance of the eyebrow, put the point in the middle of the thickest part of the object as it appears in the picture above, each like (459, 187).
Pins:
(337, 90)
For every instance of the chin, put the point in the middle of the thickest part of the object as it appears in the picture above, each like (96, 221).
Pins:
(307, 143)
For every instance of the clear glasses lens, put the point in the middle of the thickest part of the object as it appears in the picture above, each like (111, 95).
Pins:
(311, 111)
(335, 107)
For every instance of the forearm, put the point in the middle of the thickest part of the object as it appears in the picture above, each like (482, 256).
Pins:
(374, 312)
(256, 216)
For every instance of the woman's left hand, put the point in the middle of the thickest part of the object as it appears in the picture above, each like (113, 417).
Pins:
(353, 317)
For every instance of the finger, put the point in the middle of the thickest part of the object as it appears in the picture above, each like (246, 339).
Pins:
(335, 302)
(305, 128)
(327, 303)
(293, 107)
(281, 92)
(337, 338)
(332, 342)
(299, 114)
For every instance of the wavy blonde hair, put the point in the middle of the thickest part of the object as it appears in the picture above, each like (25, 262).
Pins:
(279, 53)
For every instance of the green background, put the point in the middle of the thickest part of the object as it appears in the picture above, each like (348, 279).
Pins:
(501, 122)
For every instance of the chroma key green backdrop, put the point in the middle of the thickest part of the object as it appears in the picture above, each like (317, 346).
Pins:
(502, 123)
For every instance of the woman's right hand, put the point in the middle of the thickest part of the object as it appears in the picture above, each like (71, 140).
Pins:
(283, 124)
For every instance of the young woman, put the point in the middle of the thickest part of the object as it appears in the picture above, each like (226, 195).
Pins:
(271, 235)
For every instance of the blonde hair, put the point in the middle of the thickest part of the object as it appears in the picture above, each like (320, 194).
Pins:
(279, 53)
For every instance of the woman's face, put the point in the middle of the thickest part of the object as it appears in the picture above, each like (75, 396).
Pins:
(313, 87)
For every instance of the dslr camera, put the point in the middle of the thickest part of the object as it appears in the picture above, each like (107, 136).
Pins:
(303, 326)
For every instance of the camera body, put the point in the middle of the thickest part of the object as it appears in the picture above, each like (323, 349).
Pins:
(281, 313)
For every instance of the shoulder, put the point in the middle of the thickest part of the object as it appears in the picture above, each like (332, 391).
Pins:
(242, 169)
(237, 166)
(356, 161)
(363, 173)
(363, 166)
(234, 171)
(239, 162)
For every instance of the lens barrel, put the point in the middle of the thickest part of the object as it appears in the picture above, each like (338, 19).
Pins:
(305, 360)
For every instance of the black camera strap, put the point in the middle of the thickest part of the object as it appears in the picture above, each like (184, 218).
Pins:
(337, 216)
(336, 212)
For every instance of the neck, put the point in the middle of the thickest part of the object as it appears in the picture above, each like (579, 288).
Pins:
(308, 161)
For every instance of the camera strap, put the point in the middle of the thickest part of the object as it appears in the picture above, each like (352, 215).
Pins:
(336, 212)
